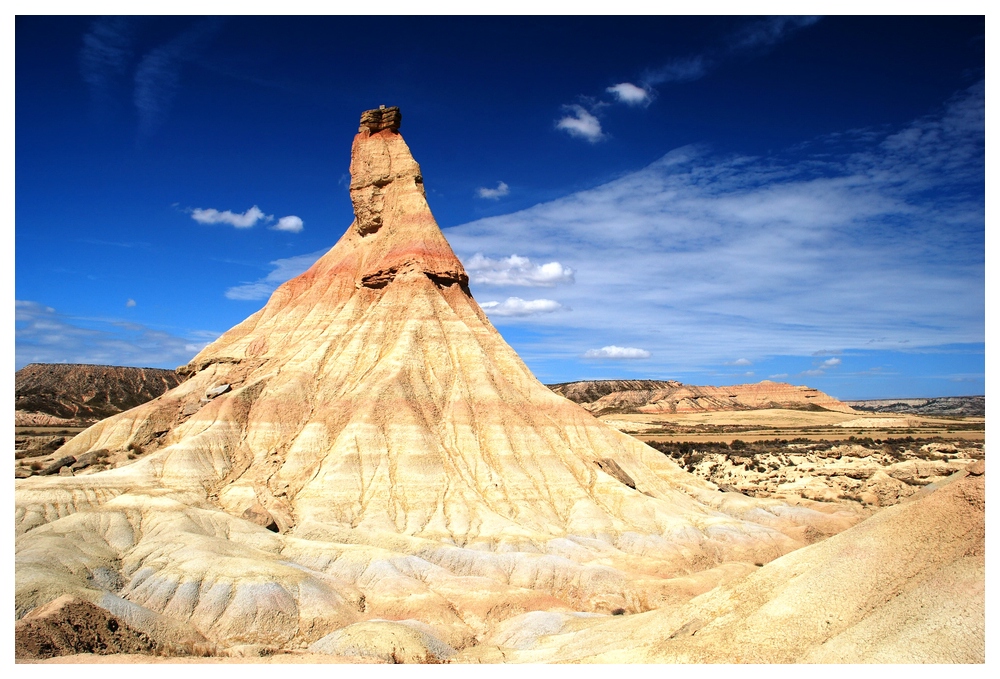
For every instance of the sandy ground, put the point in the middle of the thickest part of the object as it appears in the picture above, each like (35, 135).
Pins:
(757, 425)
(278, 659)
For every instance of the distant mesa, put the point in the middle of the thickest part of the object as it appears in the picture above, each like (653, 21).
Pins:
(604, 397)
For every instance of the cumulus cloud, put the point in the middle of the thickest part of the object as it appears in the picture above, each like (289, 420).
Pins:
(630, 94)
(291, 223)
(616, 352)
(283, 270)
(518, 271)
(244, 220)
(43, 335)
(740, 362)
(830, 362)
(581, 123)
(783, 255)
(494, 194)
(515, 306)
(130, 303)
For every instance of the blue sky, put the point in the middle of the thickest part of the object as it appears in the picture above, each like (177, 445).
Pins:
(717, 200)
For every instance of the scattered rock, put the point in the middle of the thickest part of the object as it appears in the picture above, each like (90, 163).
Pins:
(217, 391)
(977, 468)
(90, 458)
(57, 465)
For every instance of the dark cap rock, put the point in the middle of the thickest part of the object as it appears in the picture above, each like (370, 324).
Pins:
(381, 118)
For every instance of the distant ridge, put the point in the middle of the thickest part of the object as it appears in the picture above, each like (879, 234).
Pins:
(955, 406)
(603, 397)
(81, 394)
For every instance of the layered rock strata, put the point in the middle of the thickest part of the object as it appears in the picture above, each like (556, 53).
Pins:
(367, 447)
(603, 397)
(73, 394)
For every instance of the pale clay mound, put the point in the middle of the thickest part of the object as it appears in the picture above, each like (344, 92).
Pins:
(905, 586)
(407, 464)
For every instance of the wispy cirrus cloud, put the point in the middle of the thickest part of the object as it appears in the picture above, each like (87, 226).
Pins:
(158, 75)
(788, 254)
(516, 270)
(107, 54)
(515, 306)
(43, 335)
(753, 37)
(283, 270)
(581, 121)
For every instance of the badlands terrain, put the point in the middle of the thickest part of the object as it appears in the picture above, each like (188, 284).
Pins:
(363, 470)
(76, 395)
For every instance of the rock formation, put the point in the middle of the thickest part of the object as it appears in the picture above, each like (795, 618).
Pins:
(70, 394)
(367, 448)
(602, 397)
(951, 406)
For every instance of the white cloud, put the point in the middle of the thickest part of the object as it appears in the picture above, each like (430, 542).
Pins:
(581, 123)
(778, 376)
(699, 254)
(830, 362)
(515, 306)
(45, 336)
(740, 361)
(494, 194)
(130, 303)
(518, 271)
(814, 373)
(284, 269)
(290, 223)
(616, 352)
(630, 94)
(243, 220)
